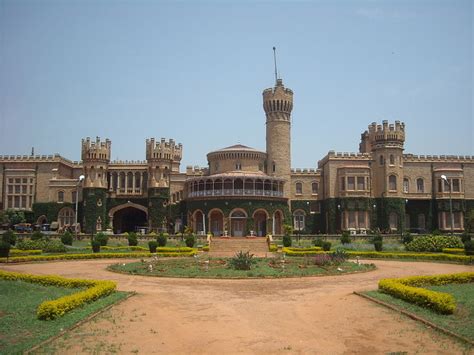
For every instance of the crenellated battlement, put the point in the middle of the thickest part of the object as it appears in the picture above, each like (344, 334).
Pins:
(351, 156)
(196, 170)
(438, 158)
(163, 150)
(278, 101)
(38, 158)
(305, 171)
(96, 151)
(383, 136)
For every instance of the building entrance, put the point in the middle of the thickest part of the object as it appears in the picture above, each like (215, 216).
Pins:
(128, 219)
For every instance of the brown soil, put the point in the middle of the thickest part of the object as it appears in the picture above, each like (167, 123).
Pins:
(302, 315)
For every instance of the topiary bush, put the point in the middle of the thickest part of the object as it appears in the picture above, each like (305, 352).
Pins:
(9, 236)
(434, 243)
(378, 245)
(407, 238)
(96, 246)
(152, 245)
(242, 261)
(469, 247)
(326, 246)
(345, 238)
(465, 237)
(66, 238)
(162, 240)
(190, 240)
(132, 239)
(318, 242)
(37, 235)
(25, 244)
(287, 241)
(102, 238)
(4, 249)
(53, 246)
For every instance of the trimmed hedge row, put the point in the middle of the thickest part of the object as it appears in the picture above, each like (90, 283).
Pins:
(409, 289)
(304, 249)
(295, 252)
(457, 251)
(139, 248)
(19, 252)
(58, 307)
(21, 259)
(395, 255)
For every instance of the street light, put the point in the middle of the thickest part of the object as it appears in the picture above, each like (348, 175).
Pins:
(443, 177)
(81, 178)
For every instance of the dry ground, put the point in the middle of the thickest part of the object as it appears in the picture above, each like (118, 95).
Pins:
(303, 315)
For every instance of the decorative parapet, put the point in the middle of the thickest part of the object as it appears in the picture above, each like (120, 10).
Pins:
(305, 171)
(38, 158)
(438, 158)
(332, 155)
(129, 162)
(384, 135)
(196, 171)
(163, 150)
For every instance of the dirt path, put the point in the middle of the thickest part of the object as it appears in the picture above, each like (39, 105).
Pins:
(306, 315)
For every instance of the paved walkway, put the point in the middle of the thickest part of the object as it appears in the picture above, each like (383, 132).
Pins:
(302, 315)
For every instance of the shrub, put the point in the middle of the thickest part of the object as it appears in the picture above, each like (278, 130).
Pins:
(436, 232)
(152, 245)
(465, 237)
(53, 246)
(37, 235)
(242, 261)
(326, 246)
(132, 239)
(9, 236)
(434, 243)
(339, 256)
(345, 238)
(190, 240)
(322, 260)
(101, 238)
(318, 242)
(407, 238)
(286, 241)
(95, 246)
(66, 238)
(25, 244)
(288, 229)
(376, 238)
(378, 245)
(162, 240)
(4, 249)
(469, 247)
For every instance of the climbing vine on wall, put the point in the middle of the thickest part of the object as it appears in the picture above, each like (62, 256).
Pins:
(94, 206)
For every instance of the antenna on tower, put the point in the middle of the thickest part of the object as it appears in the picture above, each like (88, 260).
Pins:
(275, 60)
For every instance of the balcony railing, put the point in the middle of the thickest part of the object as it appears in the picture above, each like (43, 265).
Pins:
(235, 192)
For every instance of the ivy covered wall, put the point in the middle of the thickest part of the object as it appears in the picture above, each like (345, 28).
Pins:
(313, 221)
(94, 207)
(158, 207)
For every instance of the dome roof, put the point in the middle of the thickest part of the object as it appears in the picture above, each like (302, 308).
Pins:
(237, 148)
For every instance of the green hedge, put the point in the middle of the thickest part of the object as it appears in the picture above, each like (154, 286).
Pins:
(434, 243)
(57, 308)
(457, 251)
(409, 289)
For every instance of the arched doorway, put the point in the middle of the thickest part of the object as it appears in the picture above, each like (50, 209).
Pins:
(238, 219)
(277, 223)
(260, 222)
(199, 222)
(128, 216)
(128, 219)
(216, 222)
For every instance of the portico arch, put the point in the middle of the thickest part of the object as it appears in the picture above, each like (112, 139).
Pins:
(216, 222)
(260, 218)
(238, 222)
(127, 216)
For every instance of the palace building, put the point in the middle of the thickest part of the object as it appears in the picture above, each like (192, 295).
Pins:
(244, 191)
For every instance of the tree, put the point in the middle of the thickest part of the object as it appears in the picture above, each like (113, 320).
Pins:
(470, 221)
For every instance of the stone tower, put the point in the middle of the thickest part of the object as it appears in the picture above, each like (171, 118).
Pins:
(278, 104)
(386, 143)
(95, 158)
(163, 159)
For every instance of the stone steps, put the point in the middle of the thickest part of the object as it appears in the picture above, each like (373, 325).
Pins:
(234, 245)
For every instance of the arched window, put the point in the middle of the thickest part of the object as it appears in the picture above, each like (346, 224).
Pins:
(381, 160)
(66, 216)
(60, 196)
(392, 183)
(298, 220)
(406, 185)
(420, 185)
(299, 188)
(314, 188)
(392, 159)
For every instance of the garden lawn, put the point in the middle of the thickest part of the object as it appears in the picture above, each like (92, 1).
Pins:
(218, 268)
(21, 329)
(461, 322)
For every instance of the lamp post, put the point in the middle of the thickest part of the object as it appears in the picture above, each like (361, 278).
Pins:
(443, 177)
(81, 178)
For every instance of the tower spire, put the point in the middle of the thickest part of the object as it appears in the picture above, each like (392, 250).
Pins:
(275, 61)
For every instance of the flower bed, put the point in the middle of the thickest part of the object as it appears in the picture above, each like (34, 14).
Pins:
(57, 308)
(410, 289)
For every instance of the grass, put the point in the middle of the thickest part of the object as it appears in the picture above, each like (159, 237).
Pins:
(461, 322)
(218, 268)
(21, 330)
